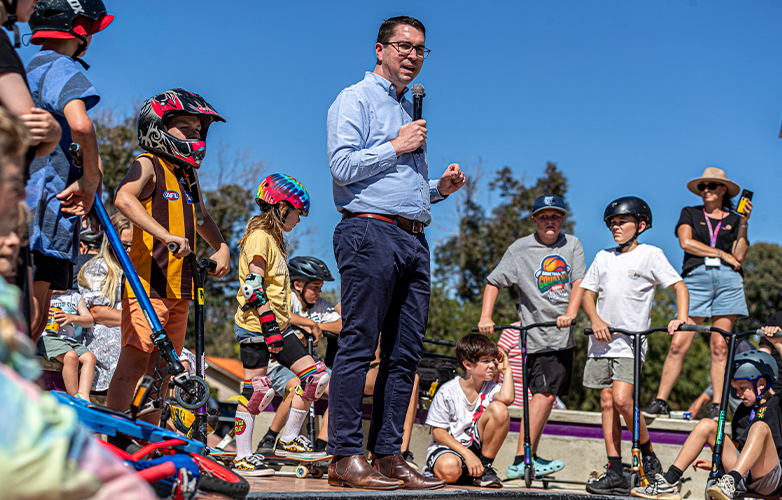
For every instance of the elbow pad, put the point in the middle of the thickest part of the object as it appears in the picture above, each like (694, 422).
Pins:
(253, 292)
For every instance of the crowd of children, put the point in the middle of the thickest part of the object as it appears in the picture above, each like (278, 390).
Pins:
(279, 301)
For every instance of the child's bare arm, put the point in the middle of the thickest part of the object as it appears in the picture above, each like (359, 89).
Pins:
(599, 327)
(77, 199)
(15, 97)
(574, 304)
(314, 328)
(486, 325)
(138, 184)
(474, 465)
(682, 306)
(258, 266)
(82, 318)
(211, 233)
(507, 391)
(770, 331)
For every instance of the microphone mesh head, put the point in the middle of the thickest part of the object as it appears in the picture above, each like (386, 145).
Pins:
(417, 89)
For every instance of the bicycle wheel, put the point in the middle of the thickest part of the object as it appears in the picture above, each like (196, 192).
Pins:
(217, 479)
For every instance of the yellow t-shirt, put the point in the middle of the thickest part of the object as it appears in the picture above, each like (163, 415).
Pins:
(276, 281)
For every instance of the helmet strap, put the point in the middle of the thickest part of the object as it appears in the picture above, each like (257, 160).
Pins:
(10, 23)
(628, 242)
(79, 50)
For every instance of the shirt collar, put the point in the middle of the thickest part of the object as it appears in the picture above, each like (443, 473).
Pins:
(381, 82)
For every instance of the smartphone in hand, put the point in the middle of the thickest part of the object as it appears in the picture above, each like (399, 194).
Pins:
(745, 197)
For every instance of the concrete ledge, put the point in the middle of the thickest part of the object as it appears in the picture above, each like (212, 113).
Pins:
(451, 493)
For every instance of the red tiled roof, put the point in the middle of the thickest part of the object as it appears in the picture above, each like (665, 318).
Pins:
(228, 365)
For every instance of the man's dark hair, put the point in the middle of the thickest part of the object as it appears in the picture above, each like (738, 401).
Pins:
(473, 347)
(388, 28)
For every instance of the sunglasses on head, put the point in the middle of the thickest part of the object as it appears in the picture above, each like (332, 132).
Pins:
(711, 185)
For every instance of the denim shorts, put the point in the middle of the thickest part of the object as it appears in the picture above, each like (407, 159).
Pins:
(716, 291)
(241, 334)
(280, 376)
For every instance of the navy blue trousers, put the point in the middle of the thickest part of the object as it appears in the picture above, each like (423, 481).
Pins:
(385, 280)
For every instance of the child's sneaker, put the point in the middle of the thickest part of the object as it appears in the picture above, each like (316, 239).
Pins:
(724, 489)
(266, 446)
(658, 409)
(300, 446)
(610, 483)
(488, 479)
(408, 456)
(652, 467)
(251, 466)
(659, 489)
(545, 467)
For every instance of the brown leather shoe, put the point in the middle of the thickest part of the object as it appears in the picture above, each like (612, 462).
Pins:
(395, 467)
(355, 471)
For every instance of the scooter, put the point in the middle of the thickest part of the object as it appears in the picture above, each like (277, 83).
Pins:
(732, 339)
(529, 470)
(191, 392)
(637, 474)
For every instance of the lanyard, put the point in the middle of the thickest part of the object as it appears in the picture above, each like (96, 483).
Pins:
(713, 233)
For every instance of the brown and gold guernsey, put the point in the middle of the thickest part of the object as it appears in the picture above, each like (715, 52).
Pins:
(171, 205)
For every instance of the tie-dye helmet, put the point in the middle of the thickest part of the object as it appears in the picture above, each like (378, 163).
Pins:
(152, 134)
(282, 187)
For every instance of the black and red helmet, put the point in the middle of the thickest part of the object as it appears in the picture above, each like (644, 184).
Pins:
(66, 19)
(152, 134)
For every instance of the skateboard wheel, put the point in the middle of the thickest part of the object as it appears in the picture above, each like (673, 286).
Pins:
(317, 472)
(545, 484)
(301, 471)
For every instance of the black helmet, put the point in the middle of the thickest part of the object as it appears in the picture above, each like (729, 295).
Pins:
(67, 19)
(308, 269)
(629, 205)
(152, 134)
(752, 365)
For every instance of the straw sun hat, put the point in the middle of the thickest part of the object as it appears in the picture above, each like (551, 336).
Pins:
(714, 174)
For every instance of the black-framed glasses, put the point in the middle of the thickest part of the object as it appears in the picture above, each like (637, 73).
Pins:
(405, 48)
(127, 245)
(711, 185)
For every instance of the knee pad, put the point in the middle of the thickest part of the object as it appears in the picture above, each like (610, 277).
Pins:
(257, 395)
(253, 355)
(314, 381)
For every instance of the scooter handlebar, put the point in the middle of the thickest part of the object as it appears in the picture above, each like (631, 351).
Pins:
(211, 265)
(695, 328)
(588, 331)
(499, 328)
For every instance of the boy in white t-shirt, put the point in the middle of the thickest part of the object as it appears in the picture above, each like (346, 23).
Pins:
(469, 416)
(623, 280)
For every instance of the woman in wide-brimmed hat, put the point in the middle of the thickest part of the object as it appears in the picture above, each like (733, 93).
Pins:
(714, 240)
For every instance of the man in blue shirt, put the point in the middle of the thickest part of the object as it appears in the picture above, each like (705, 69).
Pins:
(381, 186)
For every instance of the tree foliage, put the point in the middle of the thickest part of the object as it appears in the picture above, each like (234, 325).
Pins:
(762, 284)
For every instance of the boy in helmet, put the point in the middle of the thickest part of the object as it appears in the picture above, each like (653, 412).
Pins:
(752, 456)
(160, 196)
(59, 194)
(623, 280)
(547, 267)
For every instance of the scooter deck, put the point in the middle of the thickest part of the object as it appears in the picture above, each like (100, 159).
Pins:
(277, 459)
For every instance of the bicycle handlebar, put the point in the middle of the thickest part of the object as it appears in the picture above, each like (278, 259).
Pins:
(498, 328)
(588, 331)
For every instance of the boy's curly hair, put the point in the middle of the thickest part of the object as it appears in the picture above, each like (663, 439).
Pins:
(473, 347)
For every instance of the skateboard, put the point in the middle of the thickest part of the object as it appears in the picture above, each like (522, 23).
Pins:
(305, 466)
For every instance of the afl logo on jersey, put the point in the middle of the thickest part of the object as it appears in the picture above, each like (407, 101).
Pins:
(171, 195)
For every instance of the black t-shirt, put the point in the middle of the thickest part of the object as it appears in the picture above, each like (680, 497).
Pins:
(768, 412)
(695, 218)
(9, 59)
(775, 320)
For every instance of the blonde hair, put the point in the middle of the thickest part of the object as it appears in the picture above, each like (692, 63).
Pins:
(14, 136)
(109, 284)
(269, 220)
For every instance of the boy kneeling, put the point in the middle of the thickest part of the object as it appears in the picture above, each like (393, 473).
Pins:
(753, 460)
(469, 416)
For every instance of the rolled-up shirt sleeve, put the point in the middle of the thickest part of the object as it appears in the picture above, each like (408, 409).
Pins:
(349, 159)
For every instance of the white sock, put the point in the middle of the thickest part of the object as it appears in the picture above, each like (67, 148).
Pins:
(243, 426)
(293, 425)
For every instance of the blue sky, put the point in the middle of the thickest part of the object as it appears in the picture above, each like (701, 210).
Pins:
(628, 98)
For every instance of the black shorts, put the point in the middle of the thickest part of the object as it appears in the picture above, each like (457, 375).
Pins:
(465, 479)
(256, 355)
(550, 371)
(57, 272)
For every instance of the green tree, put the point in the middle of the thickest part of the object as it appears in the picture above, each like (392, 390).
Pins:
(762, 284)
(118, 147)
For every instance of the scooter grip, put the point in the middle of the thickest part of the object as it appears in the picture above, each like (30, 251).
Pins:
(496, 328)
(695, 328)
(588, 331)
(173, 247)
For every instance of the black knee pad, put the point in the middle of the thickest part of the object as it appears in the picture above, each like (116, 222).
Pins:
(254, 355)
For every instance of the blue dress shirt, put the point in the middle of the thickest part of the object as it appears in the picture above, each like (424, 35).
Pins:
(367, 175)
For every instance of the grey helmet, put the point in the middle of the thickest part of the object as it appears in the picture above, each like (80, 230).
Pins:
(752, 365)
(308, 269)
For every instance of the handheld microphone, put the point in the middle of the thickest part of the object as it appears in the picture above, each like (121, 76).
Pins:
(418, 106)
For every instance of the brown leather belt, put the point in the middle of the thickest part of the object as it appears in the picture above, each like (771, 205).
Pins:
(412, 226)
